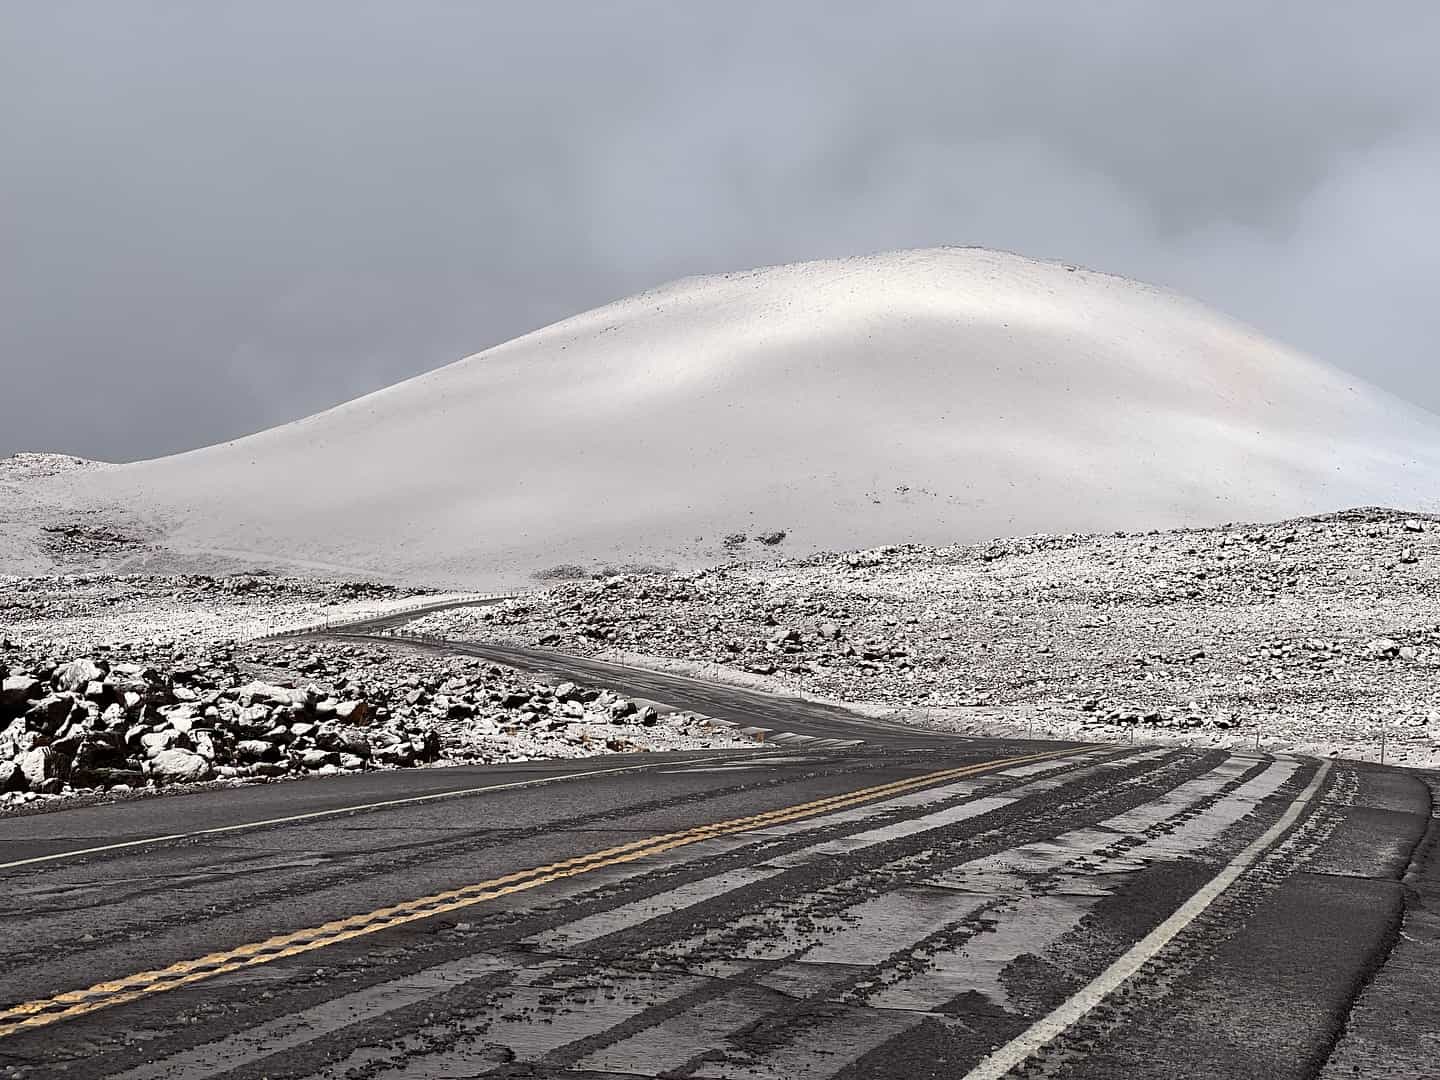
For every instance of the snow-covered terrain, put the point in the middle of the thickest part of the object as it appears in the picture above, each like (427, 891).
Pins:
(1317, 635)
(933, 396)
(80, 612)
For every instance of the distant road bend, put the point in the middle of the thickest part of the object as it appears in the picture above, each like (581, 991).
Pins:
(909, 906)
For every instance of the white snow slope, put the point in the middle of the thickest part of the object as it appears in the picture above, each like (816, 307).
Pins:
(938, 395)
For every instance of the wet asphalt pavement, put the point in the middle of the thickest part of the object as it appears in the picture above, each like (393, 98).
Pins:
(770, 715)
(911, 907)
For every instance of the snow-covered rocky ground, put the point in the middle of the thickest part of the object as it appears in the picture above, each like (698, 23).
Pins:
(122, 685)
(80, 611)
(1318, 635)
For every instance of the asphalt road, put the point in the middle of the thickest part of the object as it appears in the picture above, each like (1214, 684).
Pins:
(936, 908)
(747, 708)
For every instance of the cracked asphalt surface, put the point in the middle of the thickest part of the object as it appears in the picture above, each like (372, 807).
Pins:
(914, 906)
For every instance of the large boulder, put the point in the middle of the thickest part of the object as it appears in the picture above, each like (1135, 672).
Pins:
(250, 750)
(69, 739)
(205, 744)
(318, 759)
(94, 759)
(101, 693)
(252, 720)
(343, 741)
(181, 717)
(134, 685)
(17, 738)
(154, 743)
(400, 753)
(1382, 648)
(40, 765)
(352, 712)
(16, 690)
(78, 674)
(107, 777)
(176, 766)
(11, 778)
(50, 712)
(262, 693)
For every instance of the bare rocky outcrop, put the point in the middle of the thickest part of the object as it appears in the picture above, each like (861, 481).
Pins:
(132, 716)
(98, 722)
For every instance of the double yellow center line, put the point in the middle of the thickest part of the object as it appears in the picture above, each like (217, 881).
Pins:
(45, 1011)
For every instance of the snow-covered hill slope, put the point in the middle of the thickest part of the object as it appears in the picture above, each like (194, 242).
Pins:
(928, 395)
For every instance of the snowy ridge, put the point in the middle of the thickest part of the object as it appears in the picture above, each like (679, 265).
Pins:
(931, 396)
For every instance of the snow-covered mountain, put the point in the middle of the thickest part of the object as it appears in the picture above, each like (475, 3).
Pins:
(926, 395)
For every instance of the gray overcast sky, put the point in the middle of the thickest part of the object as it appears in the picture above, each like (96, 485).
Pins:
(215, 217)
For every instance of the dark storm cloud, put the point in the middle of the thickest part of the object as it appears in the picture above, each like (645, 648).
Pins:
(217, 217)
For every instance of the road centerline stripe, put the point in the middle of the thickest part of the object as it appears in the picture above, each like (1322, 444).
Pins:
(74, 1003)
(356, 809)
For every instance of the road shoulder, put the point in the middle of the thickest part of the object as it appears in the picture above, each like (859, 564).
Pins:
(1392, 1031)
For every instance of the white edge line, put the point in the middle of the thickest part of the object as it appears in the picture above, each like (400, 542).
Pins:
(348, 810)
(1048, 1028)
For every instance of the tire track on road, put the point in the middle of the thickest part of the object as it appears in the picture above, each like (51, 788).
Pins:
(371, 1001)
(844, 950)
(46, 921)
(656, 1032)
(43, 1012)
(578, 987)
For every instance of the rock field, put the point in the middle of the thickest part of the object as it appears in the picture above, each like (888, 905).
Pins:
(1320, 635)
(148, 714)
